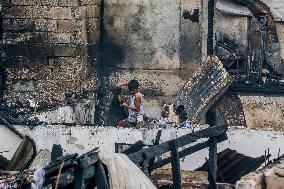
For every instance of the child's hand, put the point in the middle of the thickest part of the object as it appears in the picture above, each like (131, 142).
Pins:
(124, 105)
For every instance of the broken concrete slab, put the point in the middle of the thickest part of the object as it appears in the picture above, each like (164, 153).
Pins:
(78, 113)
(23, 156)
(264, 178)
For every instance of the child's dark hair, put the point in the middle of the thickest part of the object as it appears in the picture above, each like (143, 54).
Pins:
(133, 84)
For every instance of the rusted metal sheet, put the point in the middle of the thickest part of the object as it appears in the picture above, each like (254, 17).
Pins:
(209, 82)
(229, 110)
(233, 165)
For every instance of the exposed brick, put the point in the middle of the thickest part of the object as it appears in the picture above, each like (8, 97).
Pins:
(47, 2)
(93, 37)
(66, 25)
(63, 61)
(64, 50)
(14, 38)
(80, 12)
(82, 50)
(23, 2)
(45, 25)
(23, 25)
(14, 12)
(38, 37)
(81, 25)
(16, 50)
(60, 13)
(7, 24)
(59, 37)
(79, 38)
(90, 2)
(40, 51)
(68, 3)
(24, 86)
(15, 61)
(93, 11)
(37, 12)
(93, 24)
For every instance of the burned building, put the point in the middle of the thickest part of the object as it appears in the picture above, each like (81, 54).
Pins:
(60, 59)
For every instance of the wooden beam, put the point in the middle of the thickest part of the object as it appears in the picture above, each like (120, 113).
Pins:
(187, 151)
(158, 150)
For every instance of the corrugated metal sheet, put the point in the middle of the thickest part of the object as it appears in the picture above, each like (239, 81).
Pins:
(233, 165)
(204, 89)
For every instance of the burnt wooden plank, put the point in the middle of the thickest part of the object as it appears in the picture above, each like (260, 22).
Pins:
(100, 176)
(158, 150)
(175, 165)
(134, 148)
(187, 151)
(212, 163)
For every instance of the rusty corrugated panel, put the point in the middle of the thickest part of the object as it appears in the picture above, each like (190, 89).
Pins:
(229, 110)
(206, 86)
(233, 165)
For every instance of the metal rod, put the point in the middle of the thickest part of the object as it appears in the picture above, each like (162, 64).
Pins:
(210, 47)
(11, 127)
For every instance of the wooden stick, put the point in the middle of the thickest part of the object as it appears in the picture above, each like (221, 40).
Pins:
(59, 174)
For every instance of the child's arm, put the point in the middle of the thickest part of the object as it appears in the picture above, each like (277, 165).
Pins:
(137, 104)
(121, 84)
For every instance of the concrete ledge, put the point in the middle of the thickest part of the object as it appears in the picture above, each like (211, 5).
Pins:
(80, 139)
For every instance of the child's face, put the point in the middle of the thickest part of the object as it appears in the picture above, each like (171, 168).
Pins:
(134, 91)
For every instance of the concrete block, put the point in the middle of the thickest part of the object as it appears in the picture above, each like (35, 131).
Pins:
(66, 25)
(64, 50)
(59, 13)
(93, 37)
(23, 2)
(24, 86)
(37, 12)
(279, 170)
(68, 3)
(246, 184)
(40, 51)
(90, 2)
(80, 12)
(14, 12)
(16, 50)
(274, 182)
(14, 38)
(79, 38)
(45, 25)
(21, 25)
(7, 24)
(93, 11)
(38, 37)
(81, 113)
(59, 37)
(251, 181)
(93, 24)
(47, 2)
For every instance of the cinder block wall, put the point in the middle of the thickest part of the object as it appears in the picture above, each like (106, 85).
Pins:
(45, 52)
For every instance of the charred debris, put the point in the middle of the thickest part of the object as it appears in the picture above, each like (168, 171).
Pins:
(257, 70)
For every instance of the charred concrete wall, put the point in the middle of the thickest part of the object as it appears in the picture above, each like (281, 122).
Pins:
(157, 42)
(48, 52)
